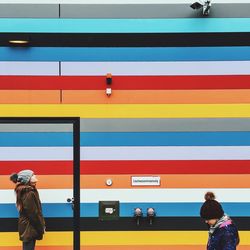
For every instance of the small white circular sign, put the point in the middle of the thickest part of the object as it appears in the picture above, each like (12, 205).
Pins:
(109, 182)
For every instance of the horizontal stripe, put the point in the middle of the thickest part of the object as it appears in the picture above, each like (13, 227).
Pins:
(135, 195)
(124, 181)
(156, 68)
(125, 224)
(155, 96)
(149, 10)
(38, 153)
(124, 97)
(188, 25)
(127, 110)
(116, 1)
(19, 127)
(169, 247)
(29, 68)
(103, 139)
(58, 248)
(160, 125)
(130, 167)
(149, 238)
(162, 195)
(126, 153)
(161, 139)
(39, 139)
(127, 54)
(137, 125)
(50, 239)
(131, 39)
(125, 82)
(50, 210)
(126, 68)
(91, 210)
(159, 223)
(158, 153)
(29, 96)
(29, 10)
(168, 181)
(39, 167)
(45, 182)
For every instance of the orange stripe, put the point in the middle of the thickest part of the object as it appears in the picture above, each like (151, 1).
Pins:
(123, 248)
(156, 96)
(170, 181)
(152, 248)
(29, 96)
(44, 181)
(124, 181)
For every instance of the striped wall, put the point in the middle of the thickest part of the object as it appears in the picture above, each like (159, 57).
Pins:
(179, 110)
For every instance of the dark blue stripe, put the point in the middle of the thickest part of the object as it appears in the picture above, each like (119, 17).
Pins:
(127, 209)
(171, 25)
(35, 139)
(126, 54)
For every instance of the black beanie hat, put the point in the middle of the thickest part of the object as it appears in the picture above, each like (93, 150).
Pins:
(211, 209)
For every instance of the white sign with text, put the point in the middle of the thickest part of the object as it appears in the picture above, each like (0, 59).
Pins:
(146, 181)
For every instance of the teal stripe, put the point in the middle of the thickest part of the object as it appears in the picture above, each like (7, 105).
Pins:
(126, 54)
(189, 25)
(112, 139)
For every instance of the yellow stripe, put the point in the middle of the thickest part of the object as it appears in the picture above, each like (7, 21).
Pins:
(145, 238)
(50, 239)
(126, 110)
(97, 238)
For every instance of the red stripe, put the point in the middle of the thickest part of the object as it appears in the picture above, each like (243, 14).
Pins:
(125, 82)
(39, 167)
(130, 167)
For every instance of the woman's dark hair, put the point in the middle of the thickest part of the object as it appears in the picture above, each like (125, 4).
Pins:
(14, 177)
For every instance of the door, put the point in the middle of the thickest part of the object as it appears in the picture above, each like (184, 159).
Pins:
(50, 147)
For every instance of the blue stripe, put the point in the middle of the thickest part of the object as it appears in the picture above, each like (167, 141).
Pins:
(49, 210)
(127, 209)
(126, 54)
(26, 139)
(35, 139)
(174, 25)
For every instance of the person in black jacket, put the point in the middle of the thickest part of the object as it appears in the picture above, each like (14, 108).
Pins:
(223, 234)
(31, 224)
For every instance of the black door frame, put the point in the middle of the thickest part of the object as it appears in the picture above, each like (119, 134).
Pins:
(76, 160)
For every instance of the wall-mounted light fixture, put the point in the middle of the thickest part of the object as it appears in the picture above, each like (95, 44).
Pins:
(18, 42)
(108, 82)
(138, 215)
(150, 215)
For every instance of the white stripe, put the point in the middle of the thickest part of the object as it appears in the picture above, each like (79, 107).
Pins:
(35, 153)
(157, 68)
(166, 153)
(127, 153)
(164, 195)
(135, 195)
(46, 195)
(29, 68)
(115, 1)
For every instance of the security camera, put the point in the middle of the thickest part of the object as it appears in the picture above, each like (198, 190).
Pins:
(205, 5)
(196, 5)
